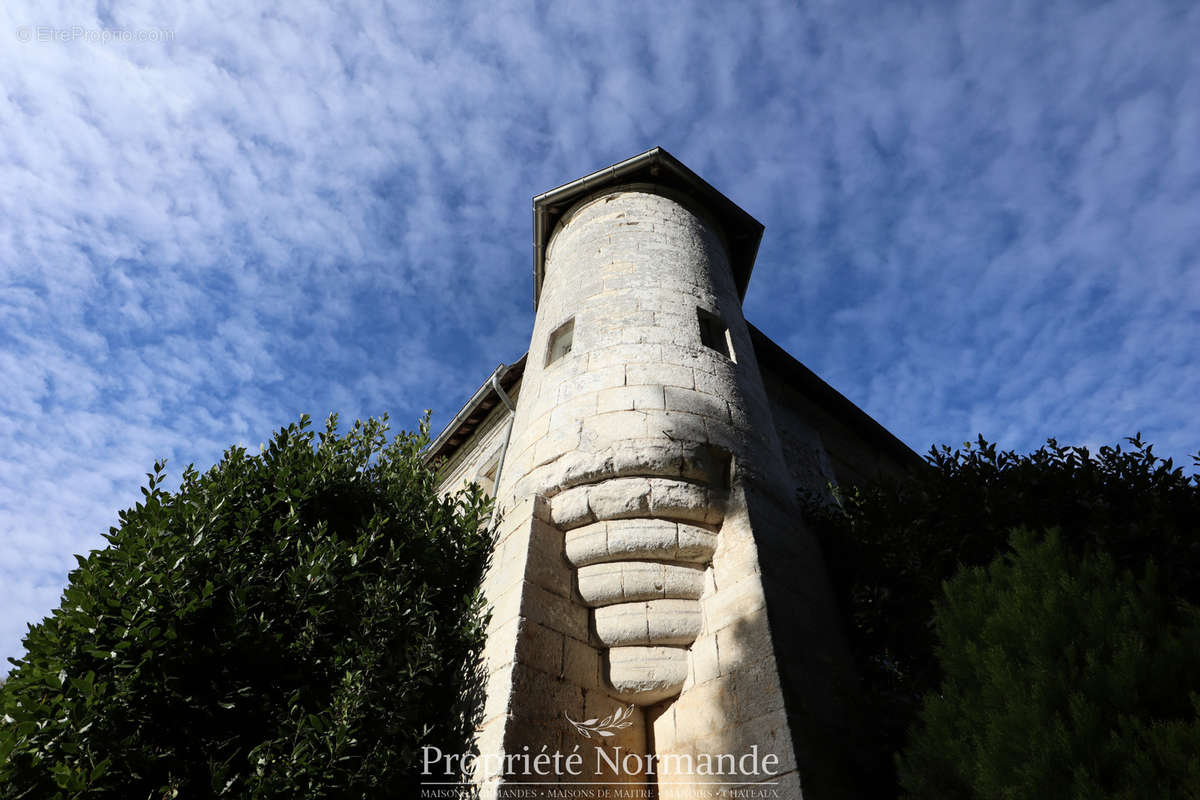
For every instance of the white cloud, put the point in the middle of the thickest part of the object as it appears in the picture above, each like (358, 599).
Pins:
(979, 219)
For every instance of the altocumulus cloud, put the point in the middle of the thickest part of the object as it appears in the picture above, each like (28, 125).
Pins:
(980, 217)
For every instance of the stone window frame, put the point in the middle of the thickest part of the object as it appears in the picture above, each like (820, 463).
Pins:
(554, 350)
(485, 476)
(714, 333)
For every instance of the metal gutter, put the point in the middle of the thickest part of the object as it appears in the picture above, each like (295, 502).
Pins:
(502, 375)
(512, 415)
(569, 192)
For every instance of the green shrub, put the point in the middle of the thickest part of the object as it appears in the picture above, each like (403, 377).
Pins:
(891, 545)
(1063, 678)
(293, 624)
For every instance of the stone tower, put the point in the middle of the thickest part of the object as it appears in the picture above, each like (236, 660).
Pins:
(654, 591)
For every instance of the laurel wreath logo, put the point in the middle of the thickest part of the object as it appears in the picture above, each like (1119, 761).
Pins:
(615, 721)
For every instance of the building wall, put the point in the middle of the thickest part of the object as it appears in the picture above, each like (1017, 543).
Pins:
(478, 453)
(810, 467)
(651, 566)
(824, 445)
(761, 628)
(641, 461)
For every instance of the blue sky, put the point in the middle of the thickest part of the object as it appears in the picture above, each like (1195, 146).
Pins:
(980, 217)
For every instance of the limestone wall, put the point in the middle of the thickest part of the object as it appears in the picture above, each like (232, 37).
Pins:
(651, 552)
(810, 466)
(825, 436)
(478, 454)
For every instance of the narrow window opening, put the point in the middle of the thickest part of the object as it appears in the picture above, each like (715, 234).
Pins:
(487, 476)
(560, 341)
(719, 467)
(714, 334)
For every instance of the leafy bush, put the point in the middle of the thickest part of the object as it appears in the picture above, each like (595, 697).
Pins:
(1063, 678)
(295, 623)
(891, 545)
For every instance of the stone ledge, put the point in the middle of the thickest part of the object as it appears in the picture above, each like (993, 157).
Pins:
(633, 497)
(637, 539)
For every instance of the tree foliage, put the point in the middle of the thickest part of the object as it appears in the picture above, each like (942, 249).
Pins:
(891, 545)
(295, 623)
(1061, 678)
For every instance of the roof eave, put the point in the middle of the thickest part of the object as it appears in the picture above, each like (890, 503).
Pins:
(506, 376)
(656, 165)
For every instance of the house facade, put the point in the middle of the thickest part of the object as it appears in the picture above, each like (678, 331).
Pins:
(659, 611)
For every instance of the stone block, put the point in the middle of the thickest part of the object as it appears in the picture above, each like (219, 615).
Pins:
(720, 384)
(620, 498)
(570, 509)
(541, 507)
(602, 430)
(680, 500)
(545, 564)
(705, 663)
(506, 606)
(631, 739)
(720, 433)
(756, 690)
(695, 543)
(541, 698)
(615, 320)
(535, 429)
(600, 584)
(643, 334)
(646, 675)
(716, 501)
(738, 597)
(623, 398)
(743, 643)
(575, 468)
(649, 456)
(587, 545)
(736, 556)
(642, 538)
(680, 581)
(501, 640)
(575, 410)
(591, 381)
(624, 355)
(498, 693)
(633, 581)
(488, 739)
(655, 622)
(669, 315)
(581, 663)
(623, 624)
(516, 517)
(672, 621)
(659, 375)
(680, 427)
(540, 647)
(772, 735)
(554, 444)
(659, 299)
(660, 720)
(704, 359)
(704, 709)
(558, 613)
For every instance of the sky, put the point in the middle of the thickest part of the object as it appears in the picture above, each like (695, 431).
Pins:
(981, 217)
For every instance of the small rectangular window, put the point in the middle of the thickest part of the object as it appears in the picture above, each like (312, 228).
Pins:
(714, 334)
(560, 341)
(487, 476)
